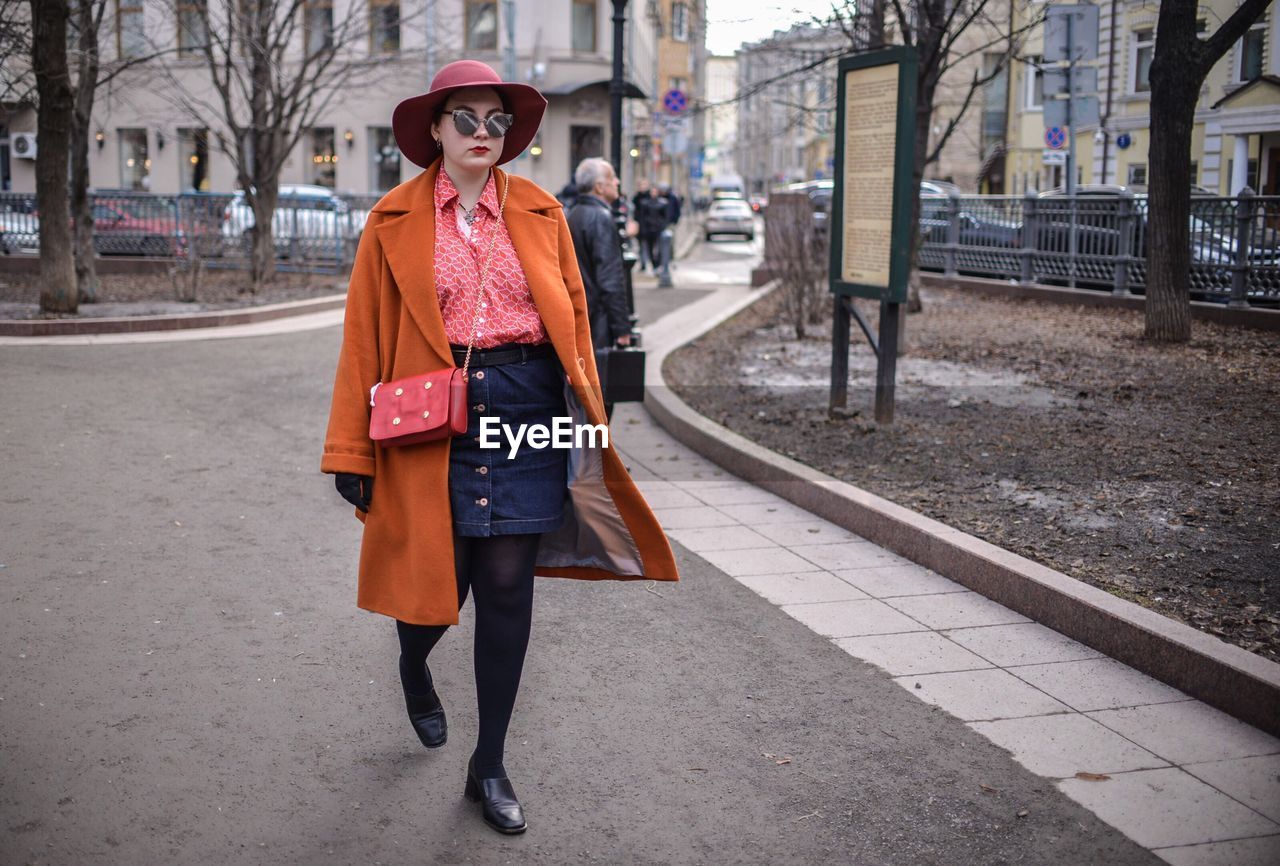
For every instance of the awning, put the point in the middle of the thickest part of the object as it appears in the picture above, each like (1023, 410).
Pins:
(631, 91)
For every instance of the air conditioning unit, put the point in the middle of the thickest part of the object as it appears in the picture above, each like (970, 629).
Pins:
(23, 144)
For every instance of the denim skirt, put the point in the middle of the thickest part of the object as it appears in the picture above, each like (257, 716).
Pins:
(491, 493)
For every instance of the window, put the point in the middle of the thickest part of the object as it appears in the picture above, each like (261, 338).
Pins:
(384, 26)
(1251, 45)
(482, 25)
(324, 161)
(680, 22)
(1034, 83)
(1195, 172)
(384, 171)
(680, 83)
(135, 165)
(1250, 172)
(131, 28)
(1144, 46)
(584, 25)
(193, 27)
(1137, 175)
(319, 25)
(193, 155)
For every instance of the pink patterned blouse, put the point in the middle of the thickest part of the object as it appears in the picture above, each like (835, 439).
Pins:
(508, 314)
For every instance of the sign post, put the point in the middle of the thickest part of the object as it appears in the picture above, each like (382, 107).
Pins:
(871, 207)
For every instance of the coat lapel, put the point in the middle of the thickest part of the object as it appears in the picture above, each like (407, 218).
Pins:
(534, 236)
(408, 241)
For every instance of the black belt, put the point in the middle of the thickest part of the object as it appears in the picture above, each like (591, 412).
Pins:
(509, 354)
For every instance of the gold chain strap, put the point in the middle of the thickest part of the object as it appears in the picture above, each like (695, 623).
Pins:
(484, 271)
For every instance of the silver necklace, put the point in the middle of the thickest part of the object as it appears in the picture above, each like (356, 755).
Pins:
(470, 215)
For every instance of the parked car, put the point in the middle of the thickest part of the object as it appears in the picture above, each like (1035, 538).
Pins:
(976, 229)
(730, 216)
(1096, 224)
(759, 203)
(136, 227)
(310, 221)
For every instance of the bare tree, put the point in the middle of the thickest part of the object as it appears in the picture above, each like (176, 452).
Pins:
(273, 72)
(58, 292)
(17, 84)
(1181, 61)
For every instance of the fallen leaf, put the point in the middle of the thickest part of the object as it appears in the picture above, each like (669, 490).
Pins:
(1023, 813)
(988, 788)
(1092, 777)
(783, 761)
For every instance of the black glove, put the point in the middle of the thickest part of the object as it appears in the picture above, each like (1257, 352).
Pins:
(356, 489)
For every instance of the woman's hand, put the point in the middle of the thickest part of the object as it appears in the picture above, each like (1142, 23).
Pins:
(356, 489)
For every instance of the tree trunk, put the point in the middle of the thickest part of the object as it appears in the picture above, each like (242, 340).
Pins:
(262, 265)
(58, 292)
(86, 86)
(1168, 305)
(1174, 92)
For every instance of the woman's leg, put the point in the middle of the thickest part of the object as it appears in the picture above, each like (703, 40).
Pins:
(501, 572)
(417, 641)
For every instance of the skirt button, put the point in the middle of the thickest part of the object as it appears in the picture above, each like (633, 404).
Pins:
(483, 470)
(482, 501)
(479, 374)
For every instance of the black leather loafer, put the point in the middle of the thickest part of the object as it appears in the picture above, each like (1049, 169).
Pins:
(426, 714)
(498, 803)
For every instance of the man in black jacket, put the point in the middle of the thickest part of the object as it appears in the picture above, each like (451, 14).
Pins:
(599, 251)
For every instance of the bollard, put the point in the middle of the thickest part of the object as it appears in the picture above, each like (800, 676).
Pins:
(1244, 237)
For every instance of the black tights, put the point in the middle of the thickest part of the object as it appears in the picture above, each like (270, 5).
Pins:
(499, 570)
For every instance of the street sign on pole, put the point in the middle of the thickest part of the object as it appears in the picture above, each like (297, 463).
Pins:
(1055, 136)
(675, 101)
(1084, 111)
(1075, 41)
(1054, 157)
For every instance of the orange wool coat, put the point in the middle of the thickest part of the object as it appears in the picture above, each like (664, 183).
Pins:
(393, 329)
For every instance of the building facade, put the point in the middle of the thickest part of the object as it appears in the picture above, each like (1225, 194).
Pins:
(145, 139)
(721, 119)
(1236, 137)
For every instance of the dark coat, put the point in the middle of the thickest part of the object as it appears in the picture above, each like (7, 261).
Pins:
(653, 214)
(599, 252)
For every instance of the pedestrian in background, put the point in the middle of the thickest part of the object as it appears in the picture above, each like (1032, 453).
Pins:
(467, 255)
(599, 252)
(642, 193)
(654, 214)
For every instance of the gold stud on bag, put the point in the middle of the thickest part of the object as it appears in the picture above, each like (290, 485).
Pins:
(431, 412)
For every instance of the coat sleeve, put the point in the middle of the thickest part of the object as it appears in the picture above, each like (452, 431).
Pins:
(578, 295)
(347, 446)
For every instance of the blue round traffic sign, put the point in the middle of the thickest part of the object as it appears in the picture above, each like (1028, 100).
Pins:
(1123, 140)
(1055, 137)
(675, 101)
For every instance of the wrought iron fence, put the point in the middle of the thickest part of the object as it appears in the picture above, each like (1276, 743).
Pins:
(314, 229)
(1100, 241)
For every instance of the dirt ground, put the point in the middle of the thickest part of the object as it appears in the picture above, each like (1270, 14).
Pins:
(153, 294)
(1055, 432)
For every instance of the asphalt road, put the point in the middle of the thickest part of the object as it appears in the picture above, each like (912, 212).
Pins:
(186, 677)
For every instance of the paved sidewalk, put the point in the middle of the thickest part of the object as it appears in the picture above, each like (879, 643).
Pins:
(1183, 779)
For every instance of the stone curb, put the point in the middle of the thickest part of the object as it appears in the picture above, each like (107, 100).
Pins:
(135, 324)
(1225, 676)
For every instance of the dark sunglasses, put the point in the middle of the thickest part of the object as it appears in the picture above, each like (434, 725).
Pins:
(467, 123)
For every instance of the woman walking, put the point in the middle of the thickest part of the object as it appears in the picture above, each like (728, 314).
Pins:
(466, 266)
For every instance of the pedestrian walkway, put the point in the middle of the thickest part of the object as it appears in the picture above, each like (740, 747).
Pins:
(1178, 777)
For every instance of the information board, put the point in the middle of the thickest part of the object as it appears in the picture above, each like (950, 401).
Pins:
(871, 206)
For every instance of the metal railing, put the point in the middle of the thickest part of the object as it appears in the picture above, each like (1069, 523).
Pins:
(312, 232)
(1101, 242)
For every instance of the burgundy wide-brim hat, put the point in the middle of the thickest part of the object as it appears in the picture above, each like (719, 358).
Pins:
(411, 121)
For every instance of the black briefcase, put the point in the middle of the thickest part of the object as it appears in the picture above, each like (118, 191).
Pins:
(621, 374)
